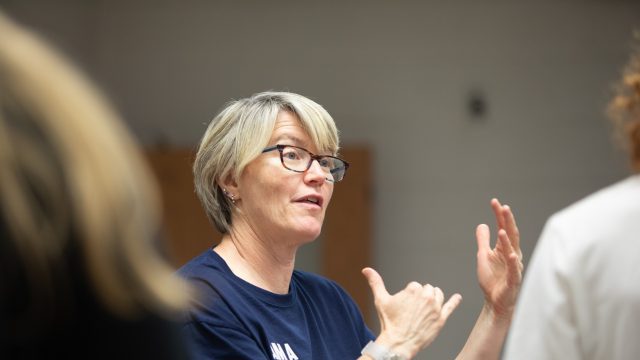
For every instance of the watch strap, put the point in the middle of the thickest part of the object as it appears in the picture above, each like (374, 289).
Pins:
(379, 352)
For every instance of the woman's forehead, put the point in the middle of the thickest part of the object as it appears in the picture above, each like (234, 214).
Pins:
(289, 128)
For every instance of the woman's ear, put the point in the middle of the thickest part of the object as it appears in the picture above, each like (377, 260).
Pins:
(229, 187)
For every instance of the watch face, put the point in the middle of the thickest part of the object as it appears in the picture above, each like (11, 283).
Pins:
(392, 356)
(377, 352)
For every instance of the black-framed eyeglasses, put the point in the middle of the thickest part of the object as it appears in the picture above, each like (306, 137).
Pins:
(298, 159)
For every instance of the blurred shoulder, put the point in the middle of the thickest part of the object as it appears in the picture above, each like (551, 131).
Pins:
(618, 198)
(607, 215)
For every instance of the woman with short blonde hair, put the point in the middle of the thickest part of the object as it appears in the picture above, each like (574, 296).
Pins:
(265, 173)
(223, 152)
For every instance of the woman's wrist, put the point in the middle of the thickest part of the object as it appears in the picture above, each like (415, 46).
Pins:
(497, 316)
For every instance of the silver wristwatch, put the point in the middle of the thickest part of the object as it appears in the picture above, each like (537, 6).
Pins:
(379, 352)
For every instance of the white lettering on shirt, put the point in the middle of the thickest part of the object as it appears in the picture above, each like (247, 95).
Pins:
(279, 354)
(290, 353)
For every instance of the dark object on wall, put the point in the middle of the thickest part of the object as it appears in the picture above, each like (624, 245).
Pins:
(477, 105)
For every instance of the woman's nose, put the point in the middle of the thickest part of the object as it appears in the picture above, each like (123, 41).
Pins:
(315, 172)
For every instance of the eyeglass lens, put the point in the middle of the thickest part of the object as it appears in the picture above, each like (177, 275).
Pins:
(300, 160)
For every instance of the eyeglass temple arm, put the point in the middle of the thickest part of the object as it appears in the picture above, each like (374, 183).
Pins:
(270, 148)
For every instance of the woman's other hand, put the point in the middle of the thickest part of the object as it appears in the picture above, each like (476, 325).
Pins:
(500, 269)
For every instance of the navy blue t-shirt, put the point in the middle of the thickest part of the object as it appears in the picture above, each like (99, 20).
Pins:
(233, 319)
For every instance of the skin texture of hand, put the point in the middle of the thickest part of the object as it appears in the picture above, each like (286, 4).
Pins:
(500, 269)
(412, 318)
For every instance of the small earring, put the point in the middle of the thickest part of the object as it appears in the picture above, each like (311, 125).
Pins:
(229, 195)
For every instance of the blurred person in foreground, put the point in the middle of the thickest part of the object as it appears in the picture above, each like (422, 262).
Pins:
(265, 172)
(581, 295)
(80, 272)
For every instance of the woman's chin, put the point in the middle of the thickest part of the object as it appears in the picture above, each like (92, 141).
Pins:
(309, 232)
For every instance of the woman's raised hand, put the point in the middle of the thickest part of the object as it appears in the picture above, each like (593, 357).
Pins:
(412, 318)
(500, 269)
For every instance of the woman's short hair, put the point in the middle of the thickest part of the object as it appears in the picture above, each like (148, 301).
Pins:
(624, 109)
(73, 184)
(238, 134)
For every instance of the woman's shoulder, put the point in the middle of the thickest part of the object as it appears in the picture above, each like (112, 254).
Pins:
(206, 262)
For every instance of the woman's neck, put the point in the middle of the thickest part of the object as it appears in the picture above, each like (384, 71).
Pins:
(258, 261)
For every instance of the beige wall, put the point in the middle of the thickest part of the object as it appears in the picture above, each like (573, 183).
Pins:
(395, 74)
